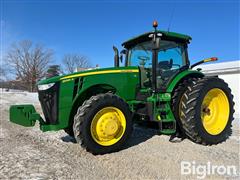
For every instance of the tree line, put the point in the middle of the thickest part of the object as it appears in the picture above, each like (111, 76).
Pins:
(25, 63)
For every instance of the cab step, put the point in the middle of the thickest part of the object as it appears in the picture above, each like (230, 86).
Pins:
(167, 127)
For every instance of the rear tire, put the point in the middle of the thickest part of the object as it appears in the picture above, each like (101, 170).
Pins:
(176, 102)
(103, 124)
(207, 111)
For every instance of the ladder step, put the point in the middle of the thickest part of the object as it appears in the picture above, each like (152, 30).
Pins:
(167, 127)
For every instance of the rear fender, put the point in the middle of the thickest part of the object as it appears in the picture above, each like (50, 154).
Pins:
(181, 76)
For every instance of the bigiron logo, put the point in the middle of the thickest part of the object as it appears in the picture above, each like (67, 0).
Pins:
(202, 170)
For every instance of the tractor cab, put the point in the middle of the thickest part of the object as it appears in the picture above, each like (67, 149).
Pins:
(160, 55)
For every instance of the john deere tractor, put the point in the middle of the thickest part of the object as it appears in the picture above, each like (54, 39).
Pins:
(155, 83)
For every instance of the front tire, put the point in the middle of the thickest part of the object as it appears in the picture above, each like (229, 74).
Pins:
(207, 111)
(103, 124)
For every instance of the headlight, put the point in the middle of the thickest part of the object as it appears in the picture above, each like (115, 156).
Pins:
(45, 86)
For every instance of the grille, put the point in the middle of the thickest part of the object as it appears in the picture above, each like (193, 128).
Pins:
(49, 102)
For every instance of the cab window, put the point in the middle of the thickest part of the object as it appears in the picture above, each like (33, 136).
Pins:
(141, 55)
(171, 55)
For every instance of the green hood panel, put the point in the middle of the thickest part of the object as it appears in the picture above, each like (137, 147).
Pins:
(111, 70)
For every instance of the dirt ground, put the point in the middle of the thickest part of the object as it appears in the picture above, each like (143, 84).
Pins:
(27, 153)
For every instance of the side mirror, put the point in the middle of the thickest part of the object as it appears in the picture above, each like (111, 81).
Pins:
(124, 51)
(121, 58)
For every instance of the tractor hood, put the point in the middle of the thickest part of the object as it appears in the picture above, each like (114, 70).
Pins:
(88, 73)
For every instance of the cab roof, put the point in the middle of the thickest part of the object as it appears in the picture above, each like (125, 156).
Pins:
(165, 35)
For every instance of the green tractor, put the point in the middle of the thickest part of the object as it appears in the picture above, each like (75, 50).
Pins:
(156, 84)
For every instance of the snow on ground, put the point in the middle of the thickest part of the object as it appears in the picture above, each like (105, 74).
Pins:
(28, 153)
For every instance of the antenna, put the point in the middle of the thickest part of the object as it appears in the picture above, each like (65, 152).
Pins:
(171, 17)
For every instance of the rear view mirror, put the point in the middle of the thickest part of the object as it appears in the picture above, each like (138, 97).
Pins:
(121, 58)
(123, 52)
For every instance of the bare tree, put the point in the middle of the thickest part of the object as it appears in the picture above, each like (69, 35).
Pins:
(5, 71)
(29, 62)
(71, 62)
(3, 74)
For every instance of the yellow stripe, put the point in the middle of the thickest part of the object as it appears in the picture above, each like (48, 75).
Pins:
(101, 72)
(207, 60)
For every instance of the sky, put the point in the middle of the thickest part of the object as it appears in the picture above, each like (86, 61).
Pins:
(91, 28)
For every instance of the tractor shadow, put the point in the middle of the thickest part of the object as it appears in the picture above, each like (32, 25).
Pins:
(145, 131)
(141, 133)
(68, 139)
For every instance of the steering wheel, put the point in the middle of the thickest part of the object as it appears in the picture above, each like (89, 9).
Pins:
(143, 60)
(177, 65)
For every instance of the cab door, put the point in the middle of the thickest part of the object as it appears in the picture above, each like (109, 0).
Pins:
(171, 59)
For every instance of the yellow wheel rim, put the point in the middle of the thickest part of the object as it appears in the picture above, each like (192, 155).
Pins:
(215, 111)
(108, 126)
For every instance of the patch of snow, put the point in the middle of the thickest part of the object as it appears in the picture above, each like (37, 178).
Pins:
(19, 97)
(10, 90)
